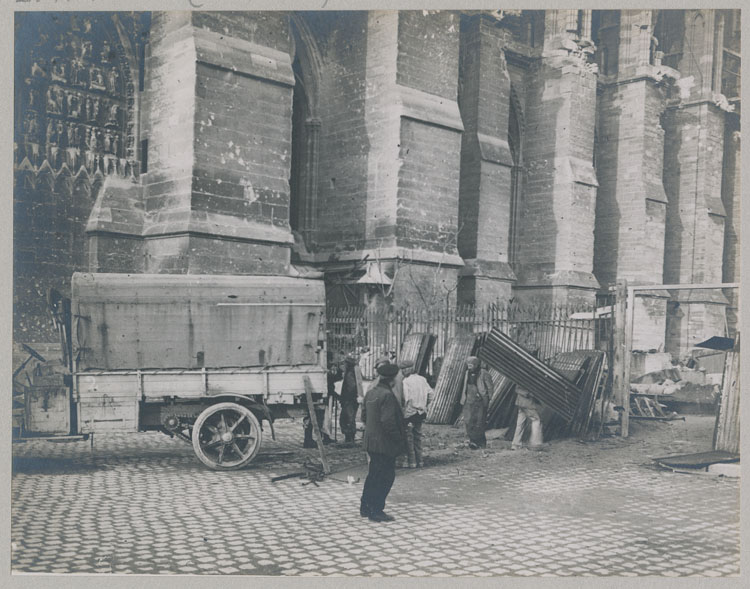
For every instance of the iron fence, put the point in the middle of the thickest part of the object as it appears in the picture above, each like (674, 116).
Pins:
(375, 333)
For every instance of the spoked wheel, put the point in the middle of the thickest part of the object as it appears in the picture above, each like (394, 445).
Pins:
(226, 436)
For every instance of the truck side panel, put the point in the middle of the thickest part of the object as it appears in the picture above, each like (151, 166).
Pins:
(125, 322)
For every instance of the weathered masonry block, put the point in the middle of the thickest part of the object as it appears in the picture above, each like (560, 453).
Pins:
(412, 136)
(631, 203)
(218, 123)
(486, 186)
(333, 53)
(731, 193)
(693, 165)
(557, 224)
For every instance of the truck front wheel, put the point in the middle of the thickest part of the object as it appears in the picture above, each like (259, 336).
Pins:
(226, 436)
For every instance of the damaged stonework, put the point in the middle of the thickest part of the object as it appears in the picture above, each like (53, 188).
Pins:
(115, 227)
(219, 201)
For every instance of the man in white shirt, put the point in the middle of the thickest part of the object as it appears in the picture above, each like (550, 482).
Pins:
(417, 397)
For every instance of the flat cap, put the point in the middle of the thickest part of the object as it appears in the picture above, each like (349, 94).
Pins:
(388, 370)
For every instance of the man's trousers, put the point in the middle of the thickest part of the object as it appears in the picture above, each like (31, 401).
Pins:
(378, 482)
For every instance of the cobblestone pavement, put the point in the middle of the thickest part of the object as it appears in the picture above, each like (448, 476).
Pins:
(141, 503)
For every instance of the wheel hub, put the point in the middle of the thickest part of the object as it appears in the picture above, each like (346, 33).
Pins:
(227, 437)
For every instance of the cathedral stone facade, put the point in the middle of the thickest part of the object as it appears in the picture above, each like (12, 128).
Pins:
(413, 157)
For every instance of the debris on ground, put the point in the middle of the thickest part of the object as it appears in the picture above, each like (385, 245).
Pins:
(702, 462)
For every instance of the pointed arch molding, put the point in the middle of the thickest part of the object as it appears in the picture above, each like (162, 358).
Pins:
(311, 62)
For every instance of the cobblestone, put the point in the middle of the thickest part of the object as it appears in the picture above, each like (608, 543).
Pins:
(142, 503)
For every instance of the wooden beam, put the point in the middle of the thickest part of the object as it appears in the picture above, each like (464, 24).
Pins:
(619, 386)
(314, 421)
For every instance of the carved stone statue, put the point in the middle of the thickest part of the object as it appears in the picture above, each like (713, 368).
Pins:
(74, 106)
(79, 137)
(60, 132)
(38, 70)
(106, 50)
(54, 100)
(97, 79)
(114, 114)
(59, 72)
(86, 49)
(33, 99)
(95, 110)
(51, 135)
(80, 75)
(31, 126)
(114, 80)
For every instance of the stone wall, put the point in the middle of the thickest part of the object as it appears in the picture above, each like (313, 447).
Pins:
(76, 79)
(218, 122)
(341, 42)
(410, 129)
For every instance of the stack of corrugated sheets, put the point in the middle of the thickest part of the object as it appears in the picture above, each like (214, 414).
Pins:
(546, 384)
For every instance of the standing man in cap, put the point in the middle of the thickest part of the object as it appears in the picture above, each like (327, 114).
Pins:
(397, 384)
(478, 389)
(417, 397)
(384, 440)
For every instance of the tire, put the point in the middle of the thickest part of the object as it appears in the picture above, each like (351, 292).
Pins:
(216, 442)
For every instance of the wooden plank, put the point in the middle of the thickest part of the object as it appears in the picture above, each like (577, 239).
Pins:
(726, 431)
(627, 359)
(316, 428)
(108, 414)
(47, 409)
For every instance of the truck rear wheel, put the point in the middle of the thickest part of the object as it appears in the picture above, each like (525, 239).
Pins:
(226, 436)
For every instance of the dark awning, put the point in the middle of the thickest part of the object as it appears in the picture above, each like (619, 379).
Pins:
(717, 343)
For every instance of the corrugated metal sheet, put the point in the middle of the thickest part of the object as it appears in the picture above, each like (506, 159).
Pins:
(417, 348)
(410, 347)
(450, 380)
(548, 386)
(585, 369)
(503, 402)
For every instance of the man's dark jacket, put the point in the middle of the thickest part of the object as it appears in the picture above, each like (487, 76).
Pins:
(384, 422)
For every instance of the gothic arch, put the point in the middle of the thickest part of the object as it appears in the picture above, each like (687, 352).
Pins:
(516, 125)
(303, 181)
